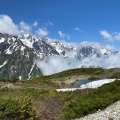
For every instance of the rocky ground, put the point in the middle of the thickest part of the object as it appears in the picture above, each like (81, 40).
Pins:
(110, 113)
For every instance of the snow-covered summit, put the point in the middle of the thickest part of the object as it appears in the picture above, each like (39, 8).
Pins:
(21, 51)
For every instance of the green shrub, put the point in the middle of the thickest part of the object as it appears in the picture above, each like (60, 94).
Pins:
(9, 108)
(35, 92)
(115, 75)
(89, 103)
(20, 109)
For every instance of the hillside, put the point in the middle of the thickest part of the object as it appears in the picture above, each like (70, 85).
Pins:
(40, 95)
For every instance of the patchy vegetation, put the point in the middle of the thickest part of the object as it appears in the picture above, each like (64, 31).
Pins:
(17, 109)
(38, 99)
(92, 101)
(49, 104)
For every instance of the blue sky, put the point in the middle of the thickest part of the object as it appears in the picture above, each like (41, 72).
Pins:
(70, 20)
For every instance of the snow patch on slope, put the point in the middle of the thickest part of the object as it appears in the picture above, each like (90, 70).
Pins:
(22, 48)
(29, 74)
(3, 64)
(94, 84)
(8, 51)
(2, 40)
(27, 43)
(105, 51)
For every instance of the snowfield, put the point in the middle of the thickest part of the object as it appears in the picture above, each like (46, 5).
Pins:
(93, 84)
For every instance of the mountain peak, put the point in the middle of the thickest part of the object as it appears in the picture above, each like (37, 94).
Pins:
(21, 51)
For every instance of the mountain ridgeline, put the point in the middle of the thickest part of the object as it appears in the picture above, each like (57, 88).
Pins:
(18, 54)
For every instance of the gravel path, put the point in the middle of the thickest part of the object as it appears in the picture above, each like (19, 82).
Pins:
(110, 113)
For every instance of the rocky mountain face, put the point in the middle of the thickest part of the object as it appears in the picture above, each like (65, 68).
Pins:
(18, 54)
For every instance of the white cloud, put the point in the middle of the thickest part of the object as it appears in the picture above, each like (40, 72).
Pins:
(78, 29)
(24, 28)
(98, 45)
(110, 37)
(7, 25)
(106, 35)
(117, 36)
(35, 24)
(55, 64)
(62, 35)
(42, 32)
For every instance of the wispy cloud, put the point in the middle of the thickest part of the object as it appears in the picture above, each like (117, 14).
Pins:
(35, 24)
(106, 35)
(42, 32)
(99, 45)
(116, 36)
(25, 28)
(48, 23)
(7, 25)
(78, 29)
(63, 35)
(110, 36)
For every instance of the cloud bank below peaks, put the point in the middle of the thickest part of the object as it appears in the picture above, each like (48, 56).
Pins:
(55, 64)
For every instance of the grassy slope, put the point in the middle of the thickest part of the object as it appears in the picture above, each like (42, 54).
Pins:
(51, 105)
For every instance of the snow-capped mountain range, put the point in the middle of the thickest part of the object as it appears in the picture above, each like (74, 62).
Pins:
(18, 54)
